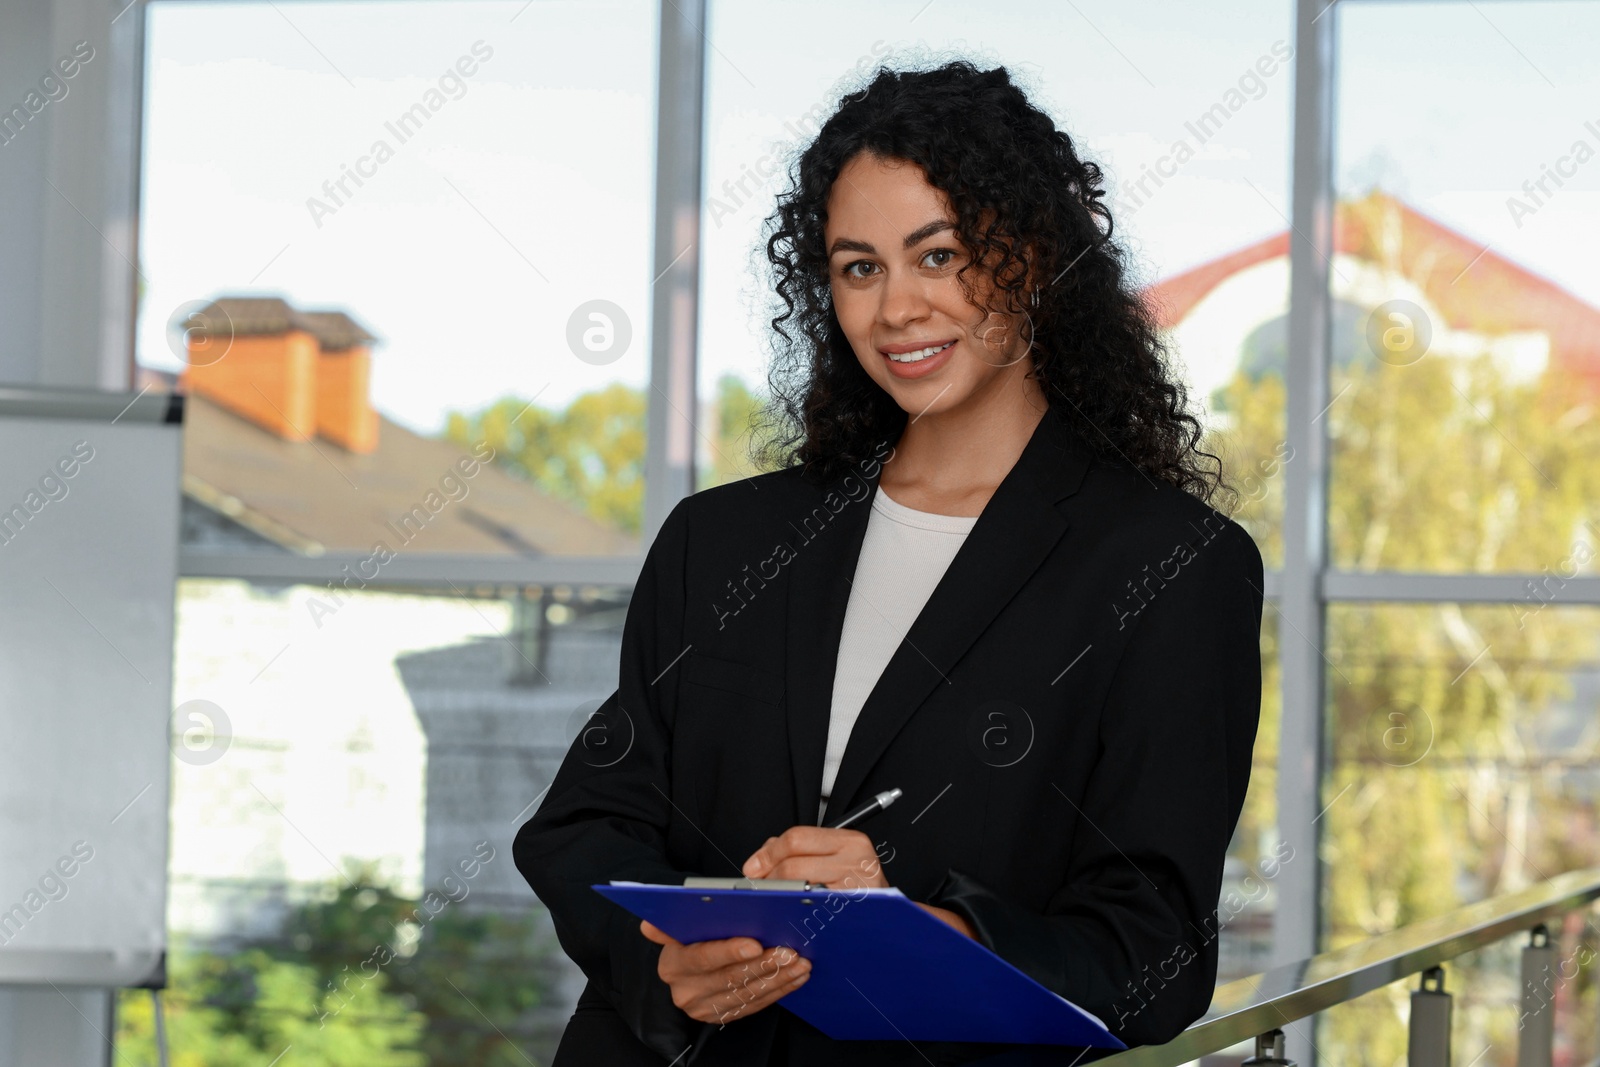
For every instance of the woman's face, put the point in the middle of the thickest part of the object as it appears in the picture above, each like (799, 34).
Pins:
(892, 262)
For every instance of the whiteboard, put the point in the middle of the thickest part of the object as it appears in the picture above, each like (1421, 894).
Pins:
(89, 509)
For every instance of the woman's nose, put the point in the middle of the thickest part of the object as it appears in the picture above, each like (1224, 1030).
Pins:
(903, 301)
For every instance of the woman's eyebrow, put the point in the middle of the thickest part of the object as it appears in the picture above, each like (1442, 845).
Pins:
(912, 239)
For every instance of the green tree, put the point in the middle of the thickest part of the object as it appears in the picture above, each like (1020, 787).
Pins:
(475, 977)
(1255, 453)
(741, 422)
(478, 978)
(247, 1009)
(589, 454)
(357, 976)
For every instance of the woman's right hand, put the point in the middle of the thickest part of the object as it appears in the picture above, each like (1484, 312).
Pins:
(719, 981)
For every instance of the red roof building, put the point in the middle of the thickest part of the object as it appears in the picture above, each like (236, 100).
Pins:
(1468, 289)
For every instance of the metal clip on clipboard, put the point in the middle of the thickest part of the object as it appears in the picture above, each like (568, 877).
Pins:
(790, 884)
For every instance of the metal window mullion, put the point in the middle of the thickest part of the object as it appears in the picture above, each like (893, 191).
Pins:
(674, 295)
(354, 571)
(134, 109)
(1296, 924)
(1520, 593)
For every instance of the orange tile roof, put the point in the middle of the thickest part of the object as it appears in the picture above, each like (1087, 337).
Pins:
(312, 497)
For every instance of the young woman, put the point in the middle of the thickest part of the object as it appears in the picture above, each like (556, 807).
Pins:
(986, 574)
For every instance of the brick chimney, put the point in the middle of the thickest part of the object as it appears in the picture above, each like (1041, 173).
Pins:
(294, 374)
(344, 369)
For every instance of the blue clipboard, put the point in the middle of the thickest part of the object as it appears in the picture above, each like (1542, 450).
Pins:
(882, 968)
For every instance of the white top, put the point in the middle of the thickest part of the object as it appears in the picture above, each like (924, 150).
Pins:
(903, 555)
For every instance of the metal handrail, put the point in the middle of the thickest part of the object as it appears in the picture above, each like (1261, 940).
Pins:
(1252, 1006)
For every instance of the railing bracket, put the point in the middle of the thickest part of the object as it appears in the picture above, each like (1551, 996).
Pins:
(1428, 1044)
(1536, 1026)
(1269, 1051)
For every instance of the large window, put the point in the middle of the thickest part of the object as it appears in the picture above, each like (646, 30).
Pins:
(399, 255)
(1464, 442)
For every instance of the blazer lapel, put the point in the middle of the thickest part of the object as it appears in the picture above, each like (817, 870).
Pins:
(1016, 530)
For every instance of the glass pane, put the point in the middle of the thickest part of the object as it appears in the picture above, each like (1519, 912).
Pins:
(343, 204)
(1187, 113)
(348, 774)
(1466, 362)
(1463, 767)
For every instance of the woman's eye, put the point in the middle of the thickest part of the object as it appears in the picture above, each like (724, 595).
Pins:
(946, 257)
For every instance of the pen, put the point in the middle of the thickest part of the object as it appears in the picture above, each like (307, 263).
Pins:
(876, 804)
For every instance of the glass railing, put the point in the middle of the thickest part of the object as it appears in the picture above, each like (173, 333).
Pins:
(1261, 1006)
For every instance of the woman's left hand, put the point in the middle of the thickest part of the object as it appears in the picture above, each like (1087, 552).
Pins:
(840, 859)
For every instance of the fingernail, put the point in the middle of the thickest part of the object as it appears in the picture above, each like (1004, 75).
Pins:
(749, 952)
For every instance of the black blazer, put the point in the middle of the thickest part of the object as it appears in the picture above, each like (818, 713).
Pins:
(1070, 717)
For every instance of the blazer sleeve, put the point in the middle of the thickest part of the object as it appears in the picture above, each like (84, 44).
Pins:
(1131, 933)
(606, 814)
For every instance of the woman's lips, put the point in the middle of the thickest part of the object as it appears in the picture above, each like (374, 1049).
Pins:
(921, 367)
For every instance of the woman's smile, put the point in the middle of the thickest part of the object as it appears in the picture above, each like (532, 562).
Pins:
(917, 362)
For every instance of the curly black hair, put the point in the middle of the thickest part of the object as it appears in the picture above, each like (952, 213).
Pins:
(1020, 192)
